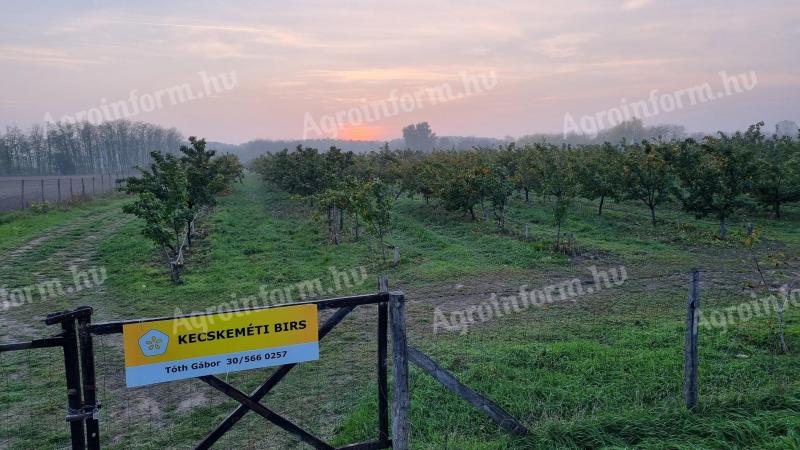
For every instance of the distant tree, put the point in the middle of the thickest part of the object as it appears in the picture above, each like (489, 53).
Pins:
(600, 173)
(559, 182)
(528, 175)
(373, 202)
(208, 176)
(777, 174)
(228, 169)
(647, 175)
(498, 187)
(716, 175)
(419, 137)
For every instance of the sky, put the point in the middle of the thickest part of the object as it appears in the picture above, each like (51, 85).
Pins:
(365, 69)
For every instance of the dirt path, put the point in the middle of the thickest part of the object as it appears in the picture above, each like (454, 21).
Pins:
(49, 272)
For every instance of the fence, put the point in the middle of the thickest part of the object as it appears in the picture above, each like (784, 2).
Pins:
(95, 389)
(21, 192)
(101, 410)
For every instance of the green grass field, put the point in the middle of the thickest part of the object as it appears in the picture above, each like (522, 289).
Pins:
(602, 371)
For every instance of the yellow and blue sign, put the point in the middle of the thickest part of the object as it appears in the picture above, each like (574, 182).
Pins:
(177, 349)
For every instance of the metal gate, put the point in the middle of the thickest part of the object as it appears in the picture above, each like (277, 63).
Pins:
(77, 340)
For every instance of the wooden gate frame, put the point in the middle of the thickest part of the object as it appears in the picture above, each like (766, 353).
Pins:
(78, 332)
(67, 340)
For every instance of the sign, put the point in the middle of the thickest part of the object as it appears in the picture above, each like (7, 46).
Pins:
(176, 349)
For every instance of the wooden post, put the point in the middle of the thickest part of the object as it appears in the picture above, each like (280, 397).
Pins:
(401, 403)
(383, 346)
(690, 359)
(42, 180)
(71, 194)
(73, 375)
(102, 184)
(526, 231)
(83, 188)
(396, 256)
(89, 380)
(93, 190)
(59, 190)
(22, 196)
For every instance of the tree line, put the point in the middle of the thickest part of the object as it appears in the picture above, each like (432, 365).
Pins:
(175, 191)
(714, 176)
(83, 148)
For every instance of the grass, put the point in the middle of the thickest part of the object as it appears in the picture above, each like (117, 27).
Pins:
(603, 372)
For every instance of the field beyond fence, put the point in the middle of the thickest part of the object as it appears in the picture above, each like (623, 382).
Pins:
(22, 192)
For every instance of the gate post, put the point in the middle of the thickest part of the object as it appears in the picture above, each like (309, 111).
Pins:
(72, 371)
(383, 384)
(89, 384)
(401, 403)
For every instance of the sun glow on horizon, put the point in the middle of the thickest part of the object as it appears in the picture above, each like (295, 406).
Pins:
(362, 134)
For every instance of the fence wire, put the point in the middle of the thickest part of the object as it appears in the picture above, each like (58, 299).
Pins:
(25, 192)
(33, 400)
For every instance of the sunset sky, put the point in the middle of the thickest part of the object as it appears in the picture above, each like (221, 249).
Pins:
(291, 61)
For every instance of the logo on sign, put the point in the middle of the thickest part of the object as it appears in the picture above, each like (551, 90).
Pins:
(153, 343)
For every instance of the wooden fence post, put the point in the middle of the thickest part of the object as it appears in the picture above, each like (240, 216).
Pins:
(383, 345)
(42, 180)
(73, 376)
(93, 189)
(401, 403)
(526, 231)
(89, 380)
(396, 259)
(83, 188)
(22, 196)
(71, 194)
(59, 190)
(690, 359)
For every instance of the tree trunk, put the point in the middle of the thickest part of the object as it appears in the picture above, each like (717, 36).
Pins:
(653, 214)
(472, 212)
(780, 304)
(777, 209)
(526, 195)
(189, 232)
(337, 214)
(558, 236)
(175, 272)
(723, 231)
(600, 210)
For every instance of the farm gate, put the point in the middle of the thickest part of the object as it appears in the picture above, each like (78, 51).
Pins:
(79, 334)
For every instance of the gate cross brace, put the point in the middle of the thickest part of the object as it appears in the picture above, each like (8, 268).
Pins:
(265, 412)
(264, 389)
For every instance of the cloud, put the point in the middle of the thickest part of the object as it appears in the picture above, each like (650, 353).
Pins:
(635, 4)
(562, 45)
(42, 56)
